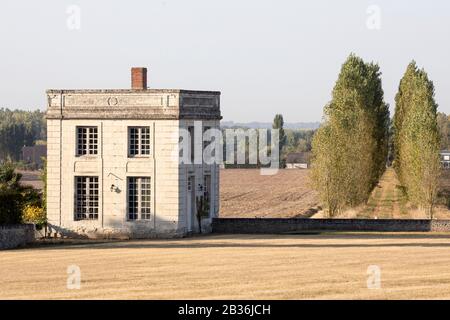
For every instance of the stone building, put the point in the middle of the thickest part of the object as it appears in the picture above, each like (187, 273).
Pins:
(111, 165)
(298, 160)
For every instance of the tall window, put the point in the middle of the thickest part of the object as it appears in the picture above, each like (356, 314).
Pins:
(138, 141)
(87, 141)
(139, 201)
(86, 198)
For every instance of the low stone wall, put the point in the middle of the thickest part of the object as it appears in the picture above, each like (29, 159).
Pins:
(277, 226)
(16, 235)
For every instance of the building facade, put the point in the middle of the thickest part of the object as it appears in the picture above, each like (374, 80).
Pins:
(298, 160)
(112, 161)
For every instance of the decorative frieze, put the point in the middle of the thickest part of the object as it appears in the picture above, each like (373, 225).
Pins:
(126, 104)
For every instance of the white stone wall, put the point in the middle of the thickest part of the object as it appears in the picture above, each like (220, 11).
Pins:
(112, 165)
(112, 112)
(53, 171)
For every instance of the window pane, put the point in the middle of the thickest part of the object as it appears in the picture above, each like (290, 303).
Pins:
(86, 198)
(132, 199)
(139, 198)
(133, 141)
(138, 141)
(145, 198)
(87, 140)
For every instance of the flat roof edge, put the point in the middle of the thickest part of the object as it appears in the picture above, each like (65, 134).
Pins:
(112, 91)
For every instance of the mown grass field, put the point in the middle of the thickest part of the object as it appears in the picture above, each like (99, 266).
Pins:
(334, 266)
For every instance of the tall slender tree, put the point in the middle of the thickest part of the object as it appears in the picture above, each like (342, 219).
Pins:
(417, 138)
(402, 103)
(350, 149)
(278, 123)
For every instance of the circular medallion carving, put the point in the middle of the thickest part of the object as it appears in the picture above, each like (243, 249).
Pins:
(112, 101)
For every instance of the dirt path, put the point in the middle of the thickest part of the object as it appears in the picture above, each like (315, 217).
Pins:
(387, 200)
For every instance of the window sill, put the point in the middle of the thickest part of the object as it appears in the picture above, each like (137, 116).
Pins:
(87, 157)
(139, 157)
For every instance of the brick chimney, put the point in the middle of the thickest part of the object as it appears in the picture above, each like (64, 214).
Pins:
(138, 78)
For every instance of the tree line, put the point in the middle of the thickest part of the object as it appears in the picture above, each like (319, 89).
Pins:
(443, 123)
(290, 140)
(20, 128)
(352, 147)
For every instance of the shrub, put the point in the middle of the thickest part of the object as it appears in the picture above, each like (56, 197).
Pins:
(10, 208)
(34, 214)
(14, 196)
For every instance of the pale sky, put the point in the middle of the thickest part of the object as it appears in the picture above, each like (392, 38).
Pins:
(265, 57)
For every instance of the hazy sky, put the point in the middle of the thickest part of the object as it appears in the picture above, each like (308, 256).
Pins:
(265, 57)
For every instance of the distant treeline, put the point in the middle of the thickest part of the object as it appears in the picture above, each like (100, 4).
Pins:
(20, 128)
(443, 122)
(268, 125)
(296, 140)
(290, 141)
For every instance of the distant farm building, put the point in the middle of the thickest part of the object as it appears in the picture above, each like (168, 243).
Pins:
(445, 159)
(298, 160)
(33, 155)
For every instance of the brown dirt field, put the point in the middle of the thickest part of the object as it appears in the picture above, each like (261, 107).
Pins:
(32, 178)
(325, 266)
(245, 193)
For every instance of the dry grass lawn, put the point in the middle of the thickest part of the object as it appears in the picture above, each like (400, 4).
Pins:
(235, 267)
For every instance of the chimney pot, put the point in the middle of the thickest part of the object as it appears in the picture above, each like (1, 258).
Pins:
(138, 78)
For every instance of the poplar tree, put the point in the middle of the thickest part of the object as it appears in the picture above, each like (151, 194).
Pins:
(350, 149)
(278, 123)
(402, 103)
(417, 138)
